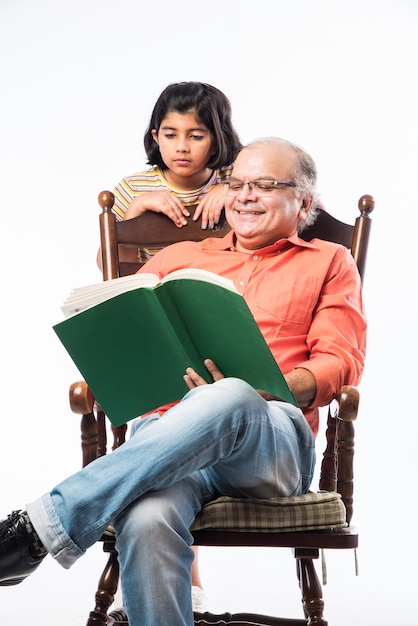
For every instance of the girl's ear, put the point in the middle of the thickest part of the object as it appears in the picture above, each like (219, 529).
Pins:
(154, 134)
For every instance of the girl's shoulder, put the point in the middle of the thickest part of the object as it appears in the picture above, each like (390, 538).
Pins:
(223, 173)
(131, 186)
(152, 176)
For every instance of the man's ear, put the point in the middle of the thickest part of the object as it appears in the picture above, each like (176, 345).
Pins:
(304, 207)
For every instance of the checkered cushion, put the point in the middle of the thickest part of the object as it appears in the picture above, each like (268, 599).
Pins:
(312, 511)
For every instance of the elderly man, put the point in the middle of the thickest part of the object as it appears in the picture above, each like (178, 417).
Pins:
(221, 438)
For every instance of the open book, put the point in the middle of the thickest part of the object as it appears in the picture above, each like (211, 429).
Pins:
(132, 339)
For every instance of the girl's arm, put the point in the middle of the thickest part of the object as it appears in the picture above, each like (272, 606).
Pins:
(163, 201)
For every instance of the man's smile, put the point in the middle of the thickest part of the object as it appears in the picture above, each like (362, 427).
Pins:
(249, 212)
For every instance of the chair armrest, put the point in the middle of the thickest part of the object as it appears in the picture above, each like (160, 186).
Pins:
(93, 423)
(348, 401)
(82, 402)
(81, 398)
(337, 473)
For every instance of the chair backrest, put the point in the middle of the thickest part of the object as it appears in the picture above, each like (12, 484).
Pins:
(156, 230)
(149, 230)
(354, 237)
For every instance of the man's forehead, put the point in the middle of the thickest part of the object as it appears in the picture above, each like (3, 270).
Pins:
(273, 159)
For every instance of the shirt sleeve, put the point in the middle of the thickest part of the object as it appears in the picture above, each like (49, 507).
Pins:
(337, 336)
(124, 195)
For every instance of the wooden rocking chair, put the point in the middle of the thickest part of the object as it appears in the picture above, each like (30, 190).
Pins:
(307, 524)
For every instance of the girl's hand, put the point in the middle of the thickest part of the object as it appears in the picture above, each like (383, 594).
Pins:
(160, 202)
(210, 206)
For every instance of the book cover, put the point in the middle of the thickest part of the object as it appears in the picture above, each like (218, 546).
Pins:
(133, 348)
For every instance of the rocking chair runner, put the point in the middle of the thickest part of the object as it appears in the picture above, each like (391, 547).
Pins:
(306, 523)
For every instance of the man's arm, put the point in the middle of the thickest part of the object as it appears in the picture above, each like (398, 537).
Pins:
(303, 385)
(337, 335)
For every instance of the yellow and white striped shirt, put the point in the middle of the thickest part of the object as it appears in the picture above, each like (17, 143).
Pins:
(153, 180)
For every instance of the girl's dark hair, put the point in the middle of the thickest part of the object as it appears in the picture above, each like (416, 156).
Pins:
(212, 108)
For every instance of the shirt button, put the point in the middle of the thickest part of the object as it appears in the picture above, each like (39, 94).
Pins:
(255, 258)
(242, 282)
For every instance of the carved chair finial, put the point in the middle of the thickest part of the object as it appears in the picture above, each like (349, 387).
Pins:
(106, 201)
(366, 205)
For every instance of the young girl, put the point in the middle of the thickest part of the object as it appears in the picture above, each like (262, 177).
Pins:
(191, 145)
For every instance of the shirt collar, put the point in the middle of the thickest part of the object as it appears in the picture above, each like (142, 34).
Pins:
(227, 243)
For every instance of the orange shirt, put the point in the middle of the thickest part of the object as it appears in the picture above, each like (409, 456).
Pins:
(305, 297)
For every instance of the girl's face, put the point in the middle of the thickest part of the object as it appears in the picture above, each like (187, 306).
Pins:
(186, 146)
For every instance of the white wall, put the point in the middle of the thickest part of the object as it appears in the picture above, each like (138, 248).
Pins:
(78, 81)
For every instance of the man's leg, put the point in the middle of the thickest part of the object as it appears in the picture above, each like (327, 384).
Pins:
(153, 543)
(249, 447)
(153, 533)
(213, 424)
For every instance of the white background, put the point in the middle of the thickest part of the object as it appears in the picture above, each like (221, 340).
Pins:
(78, 82)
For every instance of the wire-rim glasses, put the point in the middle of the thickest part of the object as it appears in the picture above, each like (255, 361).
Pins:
(263, 185)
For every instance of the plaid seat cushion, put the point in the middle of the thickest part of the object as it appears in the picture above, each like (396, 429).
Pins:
(312, 511)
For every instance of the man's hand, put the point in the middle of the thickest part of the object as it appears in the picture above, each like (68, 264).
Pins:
(193, 379)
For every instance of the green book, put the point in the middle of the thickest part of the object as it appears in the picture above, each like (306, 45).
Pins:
(132, 339)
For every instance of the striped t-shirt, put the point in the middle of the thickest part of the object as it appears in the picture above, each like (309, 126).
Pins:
(153, 180)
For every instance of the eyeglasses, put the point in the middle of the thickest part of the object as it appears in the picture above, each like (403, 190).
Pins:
(263, 185)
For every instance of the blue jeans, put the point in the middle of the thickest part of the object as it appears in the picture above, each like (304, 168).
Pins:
(221, 438)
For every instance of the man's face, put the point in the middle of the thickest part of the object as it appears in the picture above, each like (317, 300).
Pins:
(259, 218)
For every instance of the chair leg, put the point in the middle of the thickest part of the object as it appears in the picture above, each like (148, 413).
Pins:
(118, 617)
(107, 588)
(313, 604)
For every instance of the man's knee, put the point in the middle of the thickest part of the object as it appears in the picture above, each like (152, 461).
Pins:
(147, 516)
(163, 511)
(239, 393)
